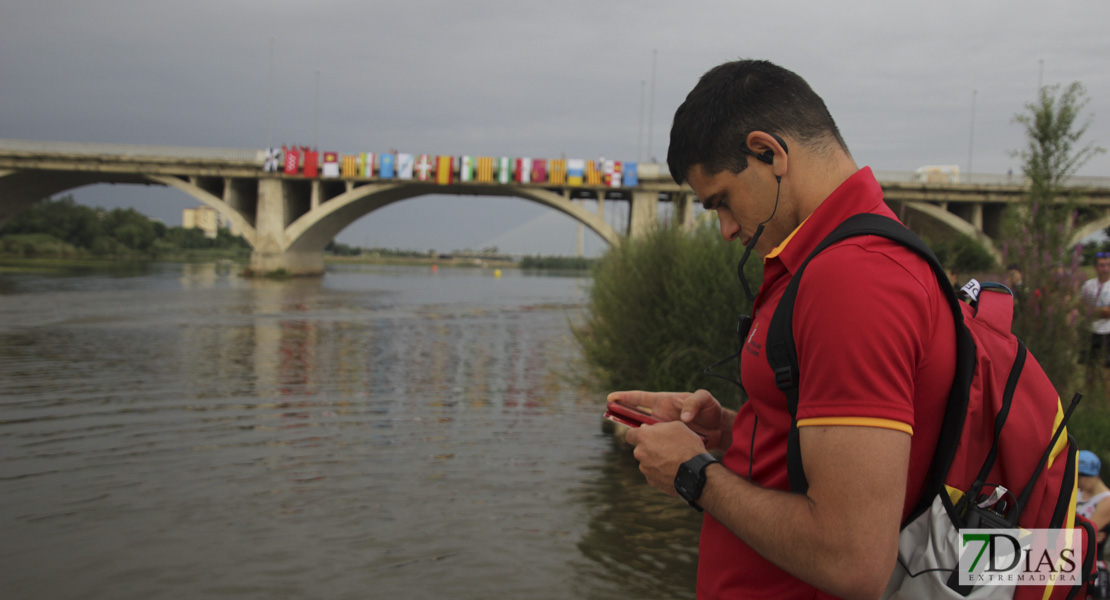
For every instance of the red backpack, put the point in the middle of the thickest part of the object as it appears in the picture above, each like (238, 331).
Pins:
(1004, 459)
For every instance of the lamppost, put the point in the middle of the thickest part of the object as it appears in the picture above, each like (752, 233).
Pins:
(316, 114)
(270, 96)
(971, 142)
(640, 139)
(651, 108)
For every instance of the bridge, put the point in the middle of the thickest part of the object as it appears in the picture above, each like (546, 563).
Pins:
(289, 214)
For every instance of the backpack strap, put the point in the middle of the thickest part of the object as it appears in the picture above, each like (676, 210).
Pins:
(782, 354)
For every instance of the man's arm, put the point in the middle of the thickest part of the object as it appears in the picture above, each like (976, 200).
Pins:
(1101, 517)
(841, 536)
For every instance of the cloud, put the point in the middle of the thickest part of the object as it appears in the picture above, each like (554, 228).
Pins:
(534, 79)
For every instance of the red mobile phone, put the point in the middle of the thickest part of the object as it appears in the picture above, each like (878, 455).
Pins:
(632, 417)
(627, 415)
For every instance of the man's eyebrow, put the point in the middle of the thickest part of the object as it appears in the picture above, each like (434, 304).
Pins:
(706, 203)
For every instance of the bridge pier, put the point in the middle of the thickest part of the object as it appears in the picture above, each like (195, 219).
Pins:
(643, 212)
(270, 255)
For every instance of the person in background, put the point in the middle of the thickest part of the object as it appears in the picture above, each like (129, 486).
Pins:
(1014, 277)
(1093, 502)
(1096, 294)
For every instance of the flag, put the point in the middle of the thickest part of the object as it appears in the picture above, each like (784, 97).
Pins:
(273, 160)
(350, 165)
(558, 173)
(423, 167)
(367, 164)
(443, 170)
(576, 168)
(523, 172)
(539, 170)
(331, 164)
(615, 173)
(485, 168)
(504, 170)
(593, 176)
(404, 166)
(292, 161)
(385, 170)
(629, 175)
(310, 169)
(466, 168)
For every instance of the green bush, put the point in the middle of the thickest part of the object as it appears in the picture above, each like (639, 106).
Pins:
(963, 254)
(37, 245)
(578, 263)
(664, 307)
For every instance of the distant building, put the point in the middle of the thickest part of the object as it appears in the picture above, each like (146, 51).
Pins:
(202, 218)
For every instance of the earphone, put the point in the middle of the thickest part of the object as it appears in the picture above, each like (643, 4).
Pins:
(767, 157)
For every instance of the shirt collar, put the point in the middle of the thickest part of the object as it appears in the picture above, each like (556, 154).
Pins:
(860, 193)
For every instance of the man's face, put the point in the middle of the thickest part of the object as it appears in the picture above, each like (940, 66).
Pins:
(1102, 266)
(742, 201)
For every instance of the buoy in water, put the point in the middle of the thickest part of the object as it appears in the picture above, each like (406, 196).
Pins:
(497, 273)
(435, 268)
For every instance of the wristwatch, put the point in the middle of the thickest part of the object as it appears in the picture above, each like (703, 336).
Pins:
(691, 478)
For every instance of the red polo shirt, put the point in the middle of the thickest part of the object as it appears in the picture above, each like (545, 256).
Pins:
(876, 347)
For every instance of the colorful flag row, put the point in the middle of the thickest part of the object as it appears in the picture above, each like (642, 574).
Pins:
(445, 169)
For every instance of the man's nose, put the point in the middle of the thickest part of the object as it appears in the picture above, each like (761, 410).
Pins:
(730, 229)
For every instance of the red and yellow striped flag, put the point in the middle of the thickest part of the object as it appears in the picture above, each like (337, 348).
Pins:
(593, 175)
(350, 165)
(557, 171)
(485, 169)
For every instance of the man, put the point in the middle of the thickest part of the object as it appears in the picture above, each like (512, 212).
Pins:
(1096, 293)
(876, 349)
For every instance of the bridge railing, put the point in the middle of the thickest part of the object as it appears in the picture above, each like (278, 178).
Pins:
(987, 179)
(648, 172)
(137, 150)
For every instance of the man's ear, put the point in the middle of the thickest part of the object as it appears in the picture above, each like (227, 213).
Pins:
(772, 147)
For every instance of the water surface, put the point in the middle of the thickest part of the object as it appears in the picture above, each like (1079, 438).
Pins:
(383, 432)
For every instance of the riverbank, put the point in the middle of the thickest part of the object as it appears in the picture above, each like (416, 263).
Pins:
(369, 259)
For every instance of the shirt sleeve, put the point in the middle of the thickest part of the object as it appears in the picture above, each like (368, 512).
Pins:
(863, 326)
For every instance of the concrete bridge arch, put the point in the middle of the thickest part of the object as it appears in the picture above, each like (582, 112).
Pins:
(936, 222)
(20, 189)
(294, 242)
(313, 230)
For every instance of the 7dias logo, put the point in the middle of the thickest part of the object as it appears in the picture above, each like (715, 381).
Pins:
(1020, 557)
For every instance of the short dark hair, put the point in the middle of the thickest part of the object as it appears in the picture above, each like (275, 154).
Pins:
(736, 98)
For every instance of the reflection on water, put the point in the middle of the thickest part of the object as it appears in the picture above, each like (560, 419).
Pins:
(380, 432)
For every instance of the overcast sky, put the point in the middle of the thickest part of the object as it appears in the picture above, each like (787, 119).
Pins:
(909, 83)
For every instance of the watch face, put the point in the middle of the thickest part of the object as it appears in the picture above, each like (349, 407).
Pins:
(686, 483)
(690, 479)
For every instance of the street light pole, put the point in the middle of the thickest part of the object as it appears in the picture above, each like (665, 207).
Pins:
(270, 96)
(651, 109)
(640, 138)
(316, 114)
(971, 142)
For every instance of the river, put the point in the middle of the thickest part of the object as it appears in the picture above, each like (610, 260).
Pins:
(177, 431)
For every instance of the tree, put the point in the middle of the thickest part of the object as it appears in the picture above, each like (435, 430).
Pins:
(1053, 131)
(1039, 228)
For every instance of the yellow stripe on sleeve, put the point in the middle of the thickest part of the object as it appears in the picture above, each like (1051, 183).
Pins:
(857, 422)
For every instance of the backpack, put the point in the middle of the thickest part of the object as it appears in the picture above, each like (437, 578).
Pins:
(1004, 459)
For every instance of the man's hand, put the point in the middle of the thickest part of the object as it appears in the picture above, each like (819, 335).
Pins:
(700, 411)
(661, 448)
